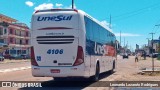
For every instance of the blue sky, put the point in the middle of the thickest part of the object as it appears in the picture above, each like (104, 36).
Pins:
(134, 18)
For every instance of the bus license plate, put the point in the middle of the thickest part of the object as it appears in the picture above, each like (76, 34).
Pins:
(55, 71)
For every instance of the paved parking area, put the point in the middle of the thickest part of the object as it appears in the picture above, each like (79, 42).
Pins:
(14, 61)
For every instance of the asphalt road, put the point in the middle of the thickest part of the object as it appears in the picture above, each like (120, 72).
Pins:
(11, 65)
(126, 71)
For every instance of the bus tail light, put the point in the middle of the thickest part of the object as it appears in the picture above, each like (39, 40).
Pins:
(36, 11)
(76, 10)
(80, 56)
(33, 60)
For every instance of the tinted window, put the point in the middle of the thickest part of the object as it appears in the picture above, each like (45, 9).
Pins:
(97, 33)
(88, 25)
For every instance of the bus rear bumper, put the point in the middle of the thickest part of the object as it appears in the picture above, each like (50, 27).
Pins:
(74, 71)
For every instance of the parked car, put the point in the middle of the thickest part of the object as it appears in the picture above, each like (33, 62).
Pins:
(155, 55)
(23, 56)
(125, 55)
(6, 56)
(1, 58)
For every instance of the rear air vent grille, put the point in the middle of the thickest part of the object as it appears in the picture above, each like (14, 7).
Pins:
(55, 39)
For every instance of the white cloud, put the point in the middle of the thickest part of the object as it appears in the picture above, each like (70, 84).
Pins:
(73, 6)
(69, 7)
(59, 5)
(105, 23)
(127, 34)
(50, 6)
(29, 3)
(44, 6)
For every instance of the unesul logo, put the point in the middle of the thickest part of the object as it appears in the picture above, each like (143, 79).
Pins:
(54, 18)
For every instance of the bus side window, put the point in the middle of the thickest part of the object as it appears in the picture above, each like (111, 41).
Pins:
(95, 32)
(88, 26)
(89, 35)
(102, 35)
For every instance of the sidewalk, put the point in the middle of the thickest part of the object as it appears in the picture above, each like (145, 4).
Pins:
(14, 69)
(148, 63)
(128, 69)
(14, 65)
(14, 61)
(145, 66)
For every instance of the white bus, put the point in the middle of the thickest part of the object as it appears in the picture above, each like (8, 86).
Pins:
(70, 43)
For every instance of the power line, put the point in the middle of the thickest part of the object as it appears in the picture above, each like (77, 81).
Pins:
(131, 15)
(120, 38)
(157, 27)
(156, 30)
(122, 18)
(135, 12)
(154, 5)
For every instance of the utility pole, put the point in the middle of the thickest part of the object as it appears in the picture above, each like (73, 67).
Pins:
(152, 53)
(72, 4)
(148, 41)
(158, 43)
(120, 43)
(110, 21)
(127, 45)
(124, 46)
(120, 38)
(124, 41)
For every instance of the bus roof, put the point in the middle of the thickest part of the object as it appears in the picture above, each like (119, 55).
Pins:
(78, 11)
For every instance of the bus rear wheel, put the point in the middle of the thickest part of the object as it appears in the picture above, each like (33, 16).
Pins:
(60, 79)
(113, 67)
(96, 76)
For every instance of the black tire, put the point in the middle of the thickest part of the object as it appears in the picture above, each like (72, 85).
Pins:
(59, 79)
(96, 76)
(112, 70)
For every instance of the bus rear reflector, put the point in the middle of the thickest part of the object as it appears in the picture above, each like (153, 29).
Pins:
(76, 10)
(33, 60)
(37, 11)
(80, 56)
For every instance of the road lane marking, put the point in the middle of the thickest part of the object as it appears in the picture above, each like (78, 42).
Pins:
(14, 69)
